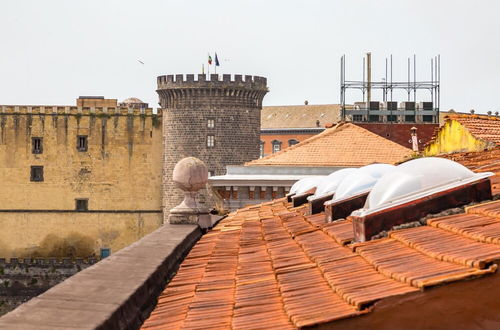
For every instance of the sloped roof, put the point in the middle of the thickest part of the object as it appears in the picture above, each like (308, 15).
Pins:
(483, 161)
(299, 116)
(486, 128)
(345, 144)
(271, 264)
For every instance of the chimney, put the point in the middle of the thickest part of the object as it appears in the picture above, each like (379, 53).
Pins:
(414, 139)
(369, 78)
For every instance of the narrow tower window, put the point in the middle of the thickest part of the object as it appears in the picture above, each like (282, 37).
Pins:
(210, 141)
(81, 143)
(36, 145)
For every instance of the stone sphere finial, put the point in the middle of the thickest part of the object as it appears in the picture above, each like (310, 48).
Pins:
(190, 174)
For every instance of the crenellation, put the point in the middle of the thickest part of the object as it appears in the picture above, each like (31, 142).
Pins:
(225, 80)
(74, 111)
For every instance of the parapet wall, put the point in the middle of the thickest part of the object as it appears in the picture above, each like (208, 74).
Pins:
(118, 292)
(14, 262)
(214, 80)
(70, 110)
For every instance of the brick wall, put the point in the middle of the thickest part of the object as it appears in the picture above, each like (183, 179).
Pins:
(400, 133)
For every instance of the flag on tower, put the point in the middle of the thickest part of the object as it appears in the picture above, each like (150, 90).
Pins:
(209, 59)
(216, 60)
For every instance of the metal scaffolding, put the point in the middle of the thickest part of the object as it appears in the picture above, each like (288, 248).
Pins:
(390, 111)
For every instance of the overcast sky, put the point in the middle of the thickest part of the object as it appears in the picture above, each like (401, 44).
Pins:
(52, 51)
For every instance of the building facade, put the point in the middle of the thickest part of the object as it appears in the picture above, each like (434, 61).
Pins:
(78, 180)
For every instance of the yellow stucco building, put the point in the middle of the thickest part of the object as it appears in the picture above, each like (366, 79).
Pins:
(78, 180)
(464, 133)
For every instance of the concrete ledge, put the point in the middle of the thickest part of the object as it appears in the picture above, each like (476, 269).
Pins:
(118, 292)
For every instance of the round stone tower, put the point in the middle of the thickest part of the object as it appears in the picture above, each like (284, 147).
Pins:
(216, 120)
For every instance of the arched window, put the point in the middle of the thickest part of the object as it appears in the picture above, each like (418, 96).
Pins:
(292, 142)
(276, 146)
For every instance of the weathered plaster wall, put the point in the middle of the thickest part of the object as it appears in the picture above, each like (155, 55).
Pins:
(121, 174)
(71, 234)
(454, 137)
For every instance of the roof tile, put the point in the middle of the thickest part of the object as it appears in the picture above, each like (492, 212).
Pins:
(343, 145)
(483, 127)
(272, 265)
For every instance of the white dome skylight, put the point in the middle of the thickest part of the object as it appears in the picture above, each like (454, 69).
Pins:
(306, 184)
(418, 178)
(331, 182)
(361, 179)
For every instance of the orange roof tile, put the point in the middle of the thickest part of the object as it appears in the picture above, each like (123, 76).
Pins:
(343, 145)
(483, 161)
(486, 128)
(271, 265)
(299, 116)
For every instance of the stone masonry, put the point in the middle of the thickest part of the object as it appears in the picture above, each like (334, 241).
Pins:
(216, 120)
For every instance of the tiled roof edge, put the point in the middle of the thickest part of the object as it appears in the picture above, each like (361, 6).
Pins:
(326, 132)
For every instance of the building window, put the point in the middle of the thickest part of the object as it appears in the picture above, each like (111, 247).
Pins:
(36, 145)
(211, 123)
(357, 118)
(82, 143)
(210, 141)
(36, 173)
(211, 173)
(292, 142)
(105, 252)
(261, 149)
(276, 146)
(82, 204)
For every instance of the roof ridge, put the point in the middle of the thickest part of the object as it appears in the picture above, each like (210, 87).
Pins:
(326, 132)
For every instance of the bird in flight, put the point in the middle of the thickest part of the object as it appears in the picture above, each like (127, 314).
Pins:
(141, 62)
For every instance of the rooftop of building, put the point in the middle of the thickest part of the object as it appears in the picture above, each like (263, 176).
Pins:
(272, 264)
(299, 116)
(344, 145)
(483, 127)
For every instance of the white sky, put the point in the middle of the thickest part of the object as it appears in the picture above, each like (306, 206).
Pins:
(52, 51)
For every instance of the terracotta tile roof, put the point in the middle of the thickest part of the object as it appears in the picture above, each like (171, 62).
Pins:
(343, 145)
(483, 161)
(271, 265)
(299, 116)
(486, 128)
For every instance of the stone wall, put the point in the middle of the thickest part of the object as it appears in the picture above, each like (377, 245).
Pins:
(233, 104)
(118, 292)
(21, 280)
(120, 174)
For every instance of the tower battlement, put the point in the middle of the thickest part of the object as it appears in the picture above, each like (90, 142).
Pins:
(215, 118)
(211, 81)
(72, 110)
